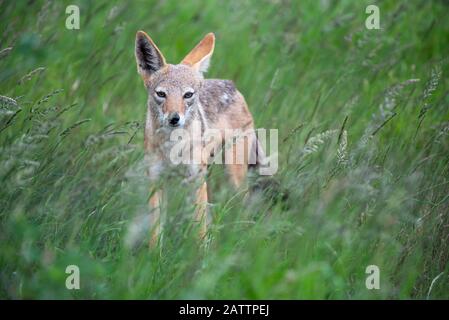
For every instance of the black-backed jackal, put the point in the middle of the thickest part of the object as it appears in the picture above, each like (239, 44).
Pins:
(180, 98)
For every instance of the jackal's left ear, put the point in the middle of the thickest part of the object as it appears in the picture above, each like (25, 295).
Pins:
(148, 56)
(199, 57)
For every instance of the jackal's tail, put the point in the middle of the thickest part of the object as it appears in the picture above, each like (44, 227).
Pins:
(269, 185)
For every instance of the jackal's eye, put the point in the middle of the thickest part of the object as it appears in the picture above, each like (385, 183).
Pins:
(161, 94)
(188, 95)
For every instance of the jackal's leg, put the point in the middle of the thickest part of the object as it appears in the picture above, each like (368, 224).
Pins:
(240, 153)
(155, 218)
(201, 212)
(201, 199)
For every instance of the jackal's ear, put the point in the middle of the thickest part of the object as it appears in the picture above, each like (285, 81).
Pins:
(199, 57)
(149, 58)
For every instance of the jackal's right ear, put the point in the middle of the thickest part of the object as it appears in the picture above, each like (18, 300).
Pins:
(149, 58)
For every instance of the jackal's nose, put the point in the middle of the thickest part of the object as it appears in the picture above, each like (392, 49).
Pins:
(173, 119)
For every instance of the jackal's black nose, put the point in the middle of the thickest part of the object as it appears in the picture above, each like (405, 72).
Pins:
(173, 119)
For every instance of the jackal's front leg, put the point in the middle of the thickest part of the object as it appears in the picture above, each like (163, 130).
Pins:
(201, 214)
(155, 218)
(201, 210)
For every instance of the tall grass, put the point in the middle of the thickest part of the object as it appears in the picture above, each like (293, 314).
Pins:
(363, 143)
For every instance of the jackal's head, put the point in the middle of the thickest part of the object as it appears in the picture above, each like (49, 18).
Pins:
(173, 90)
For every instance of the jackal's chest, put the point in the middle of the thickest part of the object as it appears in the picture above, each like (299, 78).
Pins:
(176, 154)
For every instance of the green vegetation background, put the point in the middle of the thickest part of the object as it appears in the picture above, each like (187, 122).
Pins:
(363, 141)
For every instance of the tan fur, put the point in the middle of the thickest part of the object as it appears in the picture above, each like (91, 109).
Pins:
(216, 104)
(201, 216)
(202, 51)
(155, 204)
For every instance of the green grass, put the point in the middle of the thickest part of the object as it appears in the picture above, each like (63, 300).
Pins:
(363, 151)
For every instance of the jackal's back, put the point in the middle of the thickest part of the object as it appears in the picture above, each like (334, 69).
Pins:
(224, 106)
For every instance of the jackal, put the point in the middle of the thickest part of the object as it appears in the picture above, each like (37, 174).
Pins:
(180, 97)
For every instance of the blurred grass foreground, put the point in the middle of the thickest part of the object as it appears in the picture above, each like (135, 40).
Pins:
(363, 126)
